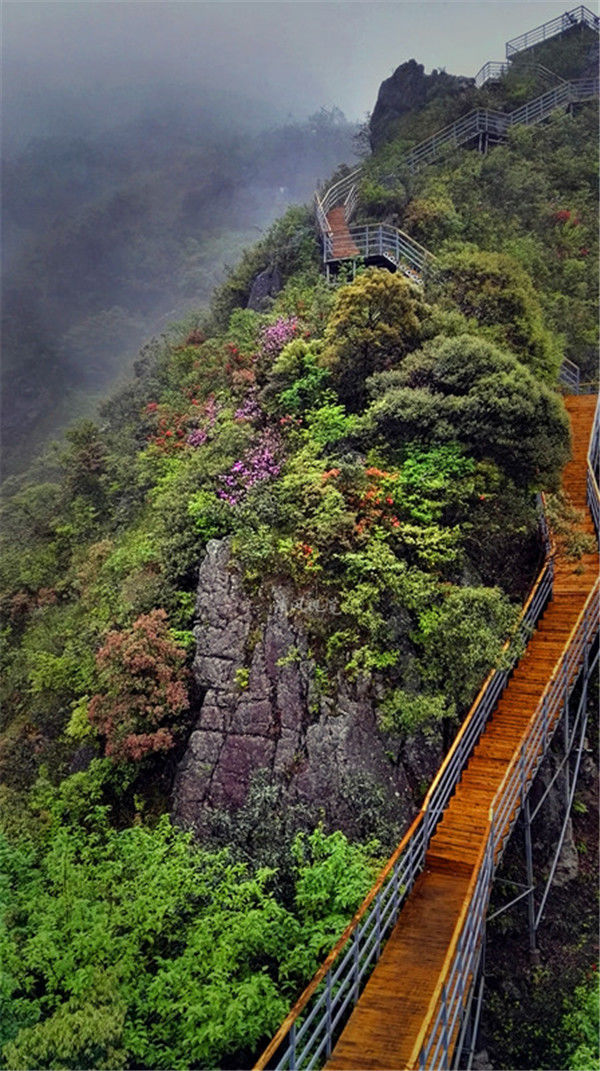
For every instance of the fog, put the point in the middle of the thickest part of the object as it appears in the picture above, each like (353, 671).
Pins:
(96, 59)
(145, 143)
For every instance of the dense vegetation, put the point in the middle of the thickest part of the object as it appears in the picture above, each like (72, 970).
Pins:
(374, 444)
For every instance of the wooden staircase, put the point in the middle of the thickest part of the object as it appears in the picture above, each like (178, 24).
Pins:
(342, 244)
(385, 1029)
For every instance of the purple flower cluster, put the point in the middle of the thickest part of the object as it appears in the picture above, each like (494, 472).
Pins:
(210, 410)
(259, 463)
(275, 336)
(249, 409)
(197, 437)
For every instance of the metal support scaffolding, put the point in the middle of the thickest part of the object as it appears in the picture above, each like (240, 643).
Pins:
(573, 743)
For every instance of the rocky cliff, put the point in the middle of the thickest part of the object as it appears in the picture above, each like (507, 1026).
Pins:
(410, 89)
(262, 711)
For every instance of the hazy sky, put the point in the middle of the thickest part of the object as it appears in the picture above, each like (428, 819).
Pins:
(295, 54)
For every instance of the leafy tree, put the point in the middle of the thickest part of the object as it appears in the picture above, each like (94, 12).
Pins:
(85, 461)
(136, 947)
(297, 380)
(143, 676)
(581, 1025)
(461, 639)
(467, 390)
(496, 292)
(375, 322)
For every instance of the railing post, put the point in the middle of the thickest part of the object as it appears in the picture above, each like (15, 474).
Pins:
(545, 723)
(328, 1011)
(533, 951)
(460, 967)
(355, 967)
(292, 1047)
(445, 1037)
(396, 888)
(522, 770)
(378, 924)
(566, 728)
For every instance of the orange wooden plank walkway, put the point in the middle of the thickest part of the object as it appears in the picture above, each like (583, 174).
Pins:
(342, 244)
(383, 1030)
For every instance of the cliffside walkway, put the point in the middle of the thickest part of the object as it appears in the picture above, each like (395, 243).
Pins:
(577, 18)
(418, 936)
(396, 992)
(382, 243)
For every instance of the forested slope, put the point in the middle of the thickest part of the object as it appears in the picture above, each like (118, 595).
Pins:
(364, 456)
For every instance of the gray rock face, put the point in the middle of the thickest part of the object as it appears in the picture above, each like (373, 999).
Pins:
(262, 711)
(266, 284)
(408, 89)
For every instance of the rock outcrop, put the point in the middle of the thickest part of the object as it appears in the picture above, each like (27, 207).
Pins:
(265, 285)
(261, 710)
(409, 89)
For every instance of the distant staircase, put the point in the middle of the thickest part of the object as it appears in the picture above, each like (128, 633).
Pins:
(380, 242)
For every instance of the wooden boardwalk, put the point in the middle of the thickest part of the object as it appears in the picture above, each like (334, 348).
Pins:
(385, 1028)
(342, 245)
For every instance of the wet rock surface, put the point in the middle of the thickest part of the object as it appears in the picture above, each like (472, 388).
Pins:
(266, 284)
(262, 711)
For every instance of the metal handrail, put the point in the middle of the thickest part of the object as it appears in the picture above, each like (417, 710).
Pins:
(433, 1044)
(336, 985)
(486, 121)
(493, 70)
(335, 194)
(381, 239)
(398, 247)
(570, 375)
(577, 16)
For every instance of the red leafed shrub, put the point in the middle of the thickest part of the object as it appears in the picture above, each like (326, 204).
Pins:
(144, 680)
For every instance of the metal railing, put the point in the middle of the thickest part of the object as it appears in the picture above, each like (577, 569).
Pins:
(443, 1018)
(570, 375)
(433, 1048)
(382, 240)
(463, 130)
(308, 1032)
(393, 244)
(495, 124)
(335, 195)
(434, 1044)
(578, 16)
(494, 70)
(593, 472)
